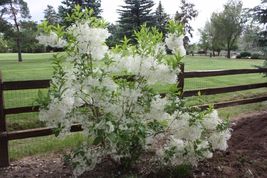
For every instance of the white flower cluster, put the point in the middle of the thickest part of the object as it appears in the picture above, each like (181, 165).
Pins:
(51, 40)
(90, 40)
(192, 140)
(147, 67)
(119, 112)
(176, 43)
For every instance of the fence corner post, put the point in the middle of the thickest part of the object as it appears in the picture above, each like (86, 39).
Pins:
(4, 158)
(180, 84)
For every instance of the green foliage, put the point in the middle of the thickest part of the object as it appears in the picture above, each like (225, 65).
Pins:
(259, 13)
(3, 44)
(134, 14)
(67, 7)
(184, 16)
(229, 24)
(245, 54)
(255, 56)
(51, 16)
(161, 19)
(15, 10)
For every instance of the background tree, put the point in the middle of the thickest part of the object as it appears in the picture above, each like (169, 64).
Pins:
(3, 44)
(260, 15)
(205, 38)
(229, 24)
(114, 38)
(15, 10)
(29, 31)
(210, 38)
(249, 40)
(50, 15)
(68, 5)
(186, 14)
(134, 14)
(161, 19)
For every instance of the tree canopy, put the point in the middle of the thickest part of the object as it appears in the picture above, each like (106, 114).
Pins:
(68, 5)
(134, 14)
(186, 14)
(15, 10)
(50, 15)
(161, 19)
(229, 24)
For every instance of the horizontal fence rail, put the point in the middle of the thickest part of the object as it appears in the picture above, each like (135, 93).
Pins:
(23, 85)
(29, 133)
(212, 73)
(219, 90)
(235, 103)
(5, 136)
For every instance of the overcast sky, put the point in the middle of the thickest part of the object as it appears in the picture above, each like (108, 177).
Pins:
(204, 7)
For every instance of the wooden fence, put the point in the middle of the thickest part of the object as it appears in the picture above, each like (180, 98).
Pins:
(5, 136)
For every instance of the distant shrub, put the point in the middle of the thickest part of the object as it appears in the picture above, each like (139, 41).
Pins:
(201, 52)
(245, 54)
(255, 56)
(238, 56)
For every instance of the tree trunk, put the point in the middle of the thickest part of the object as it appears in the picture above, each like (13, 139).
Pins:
(228, 50)
(228, 53)
(18, 42)
(19, 49)
(219, 52)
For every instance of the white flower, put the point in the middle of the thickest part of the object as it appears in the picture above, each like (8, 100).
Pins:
(175, 43)
(211, 121)
(219, 140)
(51, 40)
(90, 40)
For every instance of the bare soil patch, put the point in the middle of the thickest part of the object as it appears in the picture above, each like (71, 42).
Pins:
(245, 157)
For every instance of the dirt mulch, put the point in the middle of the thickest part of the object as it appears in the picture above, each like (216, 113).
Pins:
(245, 157)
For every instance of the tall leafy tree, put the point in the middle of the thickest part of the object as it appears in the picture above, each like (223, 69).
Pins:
(185, 15)
(229, 23)
(205, 42)
(29, 31)
(260, 15)
(161, 18)
(51, 15)
(114, 38)
(210, 37)
(134, 14)
(249, 40)
(68, 5)
(15, 10)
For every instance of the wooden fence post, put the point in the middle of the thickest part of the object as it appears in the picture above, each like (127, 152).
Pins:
(4, 159)
(180, 84)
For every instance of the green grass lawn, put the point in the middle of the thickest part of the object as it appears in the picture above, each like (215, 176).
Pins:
(34, 66)
(38, 66)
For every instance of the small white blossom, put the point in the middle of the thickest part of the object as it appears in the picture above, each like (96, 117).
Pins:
(175, 43)
(51, 40)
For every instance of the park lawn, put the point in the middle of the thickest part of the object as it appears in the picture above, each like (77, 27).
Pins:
(34, 66)
(38, 66)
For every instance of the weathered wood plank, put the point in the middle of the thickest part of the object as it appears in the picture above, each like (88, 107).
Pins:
(212, 91)
(19, 110)
(235, 103)
(29, 84)
(211, 73)
(29, 133)
(4, 158)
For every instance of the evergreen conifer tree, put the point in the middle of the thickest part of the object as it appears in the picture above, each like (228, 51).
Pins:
(161, 18)
(134, 14)
(68, 5)
(51, 15)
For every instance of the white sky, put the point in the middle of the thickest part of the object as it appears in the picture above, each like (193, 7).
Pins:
(204, 7)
